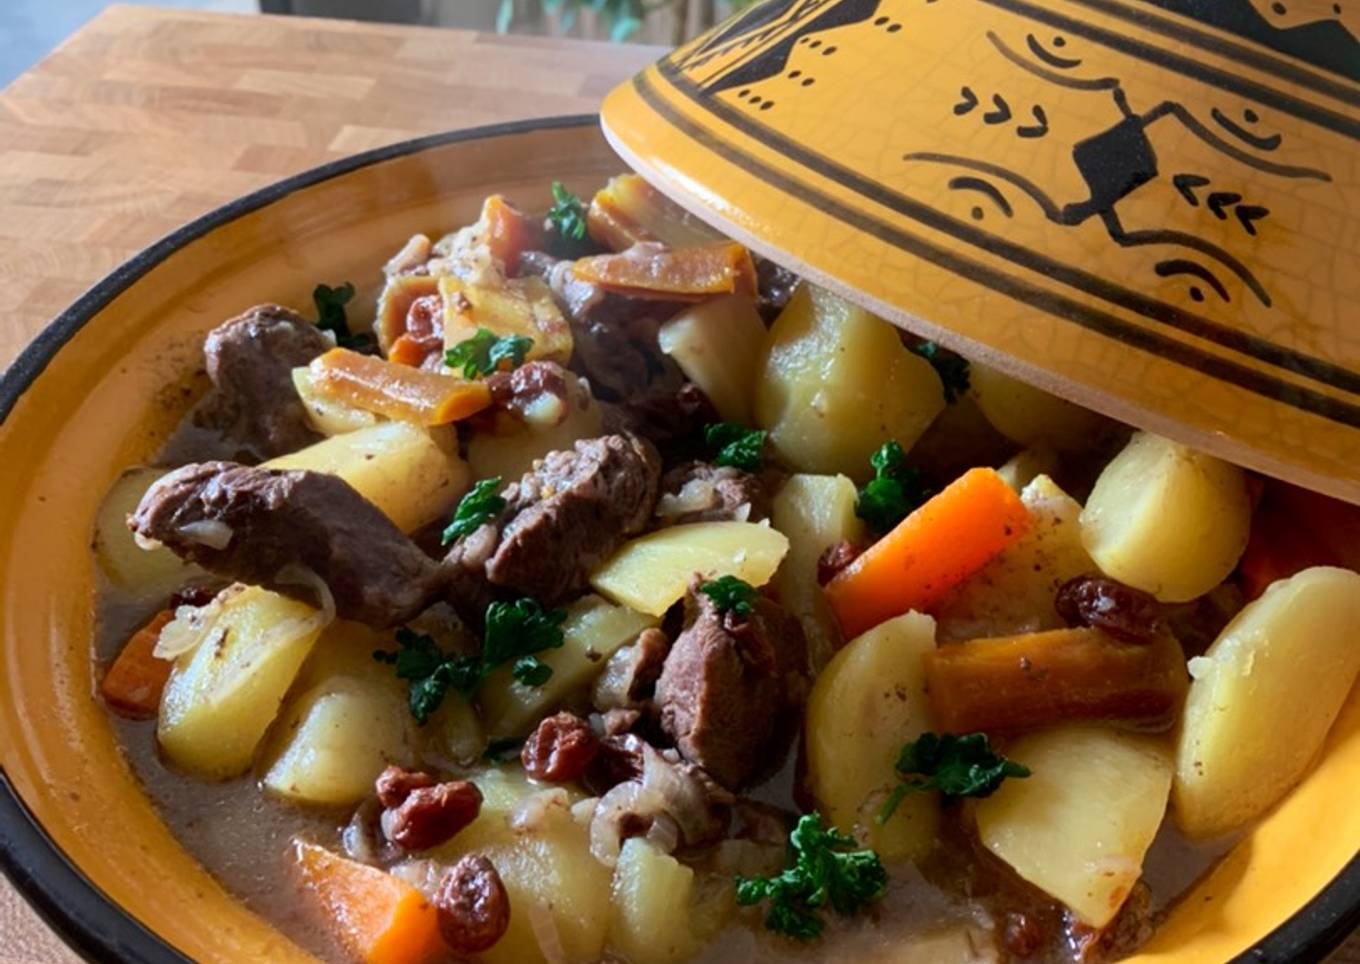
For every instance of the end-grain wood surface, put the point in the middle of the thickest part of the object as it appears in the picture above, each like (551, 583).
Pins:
(147, 118)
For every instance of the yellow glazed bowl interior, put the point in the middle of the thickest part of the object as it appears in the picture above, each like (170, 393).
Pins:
(101, 389)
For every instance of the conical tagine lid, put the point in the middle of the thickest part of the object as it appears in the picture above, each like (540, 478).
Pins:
(1151, 207)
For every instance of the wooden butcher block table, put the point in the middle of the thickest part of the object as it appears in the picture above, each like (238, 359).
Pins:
(146, 119)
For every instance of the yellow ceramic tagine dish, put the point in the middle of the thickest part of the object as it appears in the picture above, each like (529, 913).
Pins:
(1142, 207)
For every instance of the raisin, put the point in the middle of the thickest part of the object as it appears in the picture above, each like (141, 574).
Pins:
(1122, 611)
(836, 558)
(395, 784)
(431, 815)
(560, 749)
(196, 596)
(473, 907)
(619, 760)
(1022, 935)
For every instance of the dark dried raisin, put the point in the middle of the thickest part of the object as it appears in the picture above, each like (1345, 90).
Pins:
(429, 816)
(836, 558)
(560, 749)
(473, 907)
(395, 784)
(1122, 611)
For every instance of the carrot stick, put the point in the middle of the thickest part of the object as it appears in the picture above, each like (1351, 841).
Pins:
(679, 274)
(1038, 679)
(133, 685)
(380, 918)
(628, 210)
(396, 391)
(509, 232)
(929, 552)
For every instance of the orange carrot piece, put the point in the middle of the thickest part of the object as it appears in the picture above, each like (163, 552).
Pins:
(628, 210)
(396, 391)
(133, 685)
(671, 274)
(1031, 680)
(509, 231)
(380, 918)
(929, 552)
(407, 351)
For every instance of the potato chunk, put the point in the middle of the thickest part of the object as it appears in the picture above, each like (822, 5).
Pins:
(396, 466)
(837, 382)
(1014, 592)
(593, 631)
(143, 573)
(1166, 519)
(867, 703)
(329, 416)
(334, 741)
(1263, 698)
(650, 573)
(717, 345)
(652, 892)
(815, 512)
(223, 694)
(554, 884)
(1029, 415)
(508, 450)
(1078, 827)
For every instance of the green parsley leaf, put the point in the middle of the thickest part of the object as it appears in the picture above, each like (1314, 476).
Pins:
(514, 631)
(731, 595)
(736, 445)
(531, 671)
(520, 628)
(827, 869)
(330, 308)
(479, 506)
(957, 766)
(894, 493)
(484, 353)
(567, 216)
(952, 369)
(429, 671)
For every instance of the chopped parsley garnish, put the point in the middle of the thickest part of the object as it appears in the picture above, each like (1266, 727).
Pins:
(520, 628)
(896, 490)
(827, 869)
(429, 671)
(484, 352)
(957, 766)
(736, 445)
(567, 216)
(514, 632)
(952, 369)
(731, 595)
(330, 316)
(478, 507)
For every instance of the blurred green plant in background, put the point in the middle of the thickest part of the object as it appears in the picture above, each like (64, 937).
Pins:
(623, 18)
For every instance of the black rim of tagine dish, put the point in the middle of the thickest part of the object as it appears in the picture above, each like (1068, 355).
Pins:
(89, 920)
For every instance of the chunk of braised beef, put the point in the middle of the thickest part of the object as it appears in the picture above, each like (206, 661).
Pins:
(432, 815)
(618, 760)
(672, 415)
(570, 512)
(250, 360)
(287, 531)
(630, 674)
(472, 906)
(833, 560)
(1122, 611)
(703, 492)
(731, 689)
(1022, 934)
(395, 784)
(560, 749)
